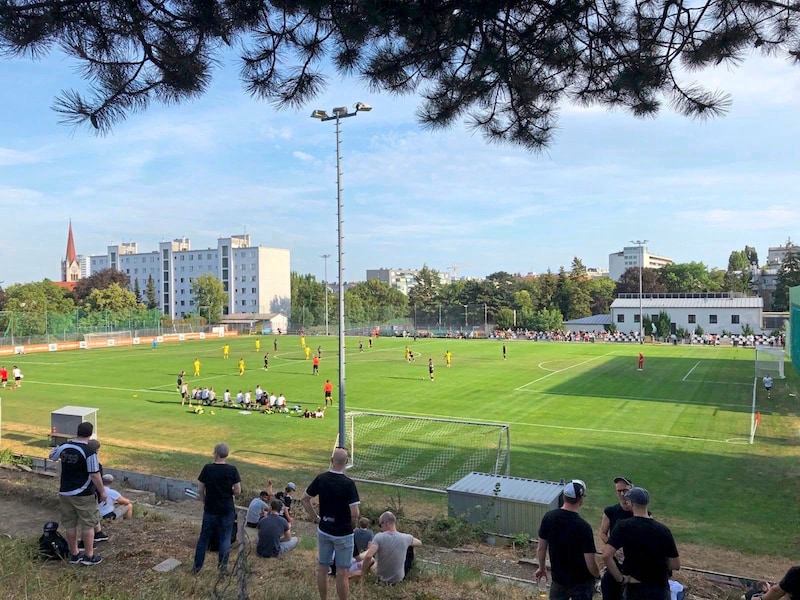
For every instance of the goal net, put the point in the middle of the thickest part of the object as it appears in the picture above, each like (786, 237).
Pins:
(770, 361)
(423, 452)
(106, 337)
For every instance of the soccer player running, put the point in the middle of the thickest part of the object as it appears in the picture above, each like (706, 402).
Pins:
(430, 368)
(768, 385)
(266, 361)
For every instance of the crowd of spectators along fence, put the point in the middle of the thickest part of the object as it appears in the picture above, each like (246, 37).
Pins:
(25, 328)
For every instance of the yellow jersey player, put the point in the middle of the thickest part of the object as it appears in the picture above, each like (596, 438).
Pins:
(258, 345)
(226, 350)
(196, 367)
(448, 356)
(307, 351)
(241, 367)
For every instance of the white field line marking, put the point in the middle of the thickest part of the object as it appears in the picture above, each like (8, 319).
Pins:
(639, 398)
(715, 382)
(520, 388)
(563, 427)
(98, 387)
(690, 370)
(540, 365)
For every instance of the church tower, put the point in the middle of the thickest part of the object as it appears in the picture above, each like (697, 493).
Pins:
(70, 267)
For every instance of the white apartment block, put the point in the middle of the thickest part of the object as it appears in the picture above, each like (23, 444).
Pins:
(633, 256)
(402, 279)
(256, 279)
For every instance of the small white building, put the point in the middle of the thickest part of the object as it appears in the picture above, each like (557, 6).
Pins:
(595, 324)
(634, 256)
(714, 312)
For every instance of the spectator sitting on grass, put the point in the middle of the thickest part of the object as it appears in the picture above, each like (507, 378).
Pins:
(116, 505)
(274, 533)
(362, 536)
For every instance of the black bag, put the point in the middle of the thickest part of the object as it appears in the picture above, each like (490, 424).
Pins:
(52, 545)
(213, 543)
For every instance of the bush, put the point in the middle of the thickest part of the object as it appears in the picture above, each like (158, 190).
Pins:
(699, 330)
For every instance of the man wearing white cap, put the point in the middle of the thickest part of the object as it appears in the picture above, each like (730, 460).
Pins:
(650, 552)
(116, 505)
(570, 541)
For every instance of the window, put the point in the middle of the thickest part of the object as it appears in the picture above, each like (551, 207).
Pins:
(208, 256)
(253, 290)
(253, 278)
(244, 302)
(692, 318)
(734, 319)
(620, 318)
(183, 303)
(712, 319)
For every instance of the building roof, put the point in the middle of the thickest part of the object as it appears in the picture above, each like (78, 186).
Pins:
(67, 285)
(658, 303)
(72, 256)
(509, 488)
(247, 317)
(593, 320)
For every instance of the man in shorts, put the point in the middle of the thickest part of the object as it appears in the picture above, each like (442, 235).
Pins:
(3, 376)
(116, 505)
(768, 385)
(80, 488)
(328, 392)
(338, 510)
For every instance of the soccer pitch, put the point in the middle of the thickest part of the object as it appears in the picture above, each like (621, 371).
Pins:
(575, 410)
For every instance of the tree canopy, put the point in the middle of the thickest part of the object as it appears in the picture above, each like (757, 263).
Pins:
(504, 67)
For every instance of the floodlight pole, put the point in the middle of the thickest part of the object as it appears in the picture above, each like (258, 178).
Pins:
(325, 258)
(640, 244)
(340, 113)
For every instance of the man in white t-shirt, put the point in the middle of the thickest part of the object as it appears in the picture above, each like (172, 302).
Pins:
(390, 549)
(116, 505)
(768, 385)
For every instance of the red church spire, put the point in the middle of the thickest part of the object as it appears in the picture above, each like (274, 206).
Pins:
(72, 256)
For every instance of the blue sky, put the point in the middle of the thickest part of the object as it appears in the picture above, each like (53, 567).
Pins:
(226, 163)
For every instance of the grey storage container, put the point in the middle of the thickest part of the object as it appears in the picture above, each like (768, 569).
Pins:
(501, 504)
(64, 422)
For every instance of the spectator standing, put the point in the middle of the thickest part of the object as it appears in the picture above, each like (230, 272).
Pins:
(391, 548)
(338, 508)
(274, 533)
(613, 514)
(79, 491)
(569, 539)
(219, 483)
(650, 552)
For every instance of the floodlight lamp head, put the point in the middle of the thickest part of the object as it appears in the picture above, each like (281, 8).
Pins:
(340, 111)
(319, 114)
(362, 107)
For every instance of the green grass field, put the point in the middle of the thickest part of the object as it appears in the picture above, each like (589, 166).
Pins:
(679, 428)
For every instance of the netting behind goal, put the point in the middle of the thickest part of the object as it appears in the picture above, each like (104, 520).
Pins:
(421, 452)
(770, 361)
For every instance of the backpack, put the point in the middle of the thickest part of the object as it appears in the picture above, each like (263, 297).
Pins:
(52, 545)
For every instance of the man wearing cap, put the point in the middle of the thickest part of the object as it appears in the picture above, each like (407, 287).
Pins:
(116, 505)
(650, 552)
(570, 541)
(286, 498)
(611, 516)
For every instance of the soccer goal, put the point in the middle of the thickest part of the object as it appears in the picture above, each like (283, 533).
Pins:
(423, 452)
(770, 361)
(107, 337)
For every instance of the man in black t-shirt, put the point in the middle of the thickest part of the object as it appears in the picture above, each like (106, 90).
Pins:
(81, 487)
(338, 510)
(274, 533)
(650, 552)
(789, 585)
(570, 541)
(611, 516)
(219, 483)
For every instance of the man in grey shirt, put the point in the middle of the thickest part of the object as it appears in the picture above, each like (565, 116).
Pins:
(389, 549)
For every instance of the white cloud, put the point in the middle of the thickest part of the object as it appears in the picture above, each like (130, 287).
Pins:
(302, 156)
(10, 158)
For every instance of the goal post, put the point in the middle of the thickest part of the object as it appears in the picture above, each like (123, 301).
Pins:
(425, 453)
(770, 361)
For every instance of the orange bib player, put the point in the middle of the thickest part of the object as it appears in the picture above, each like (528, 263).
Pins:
(641, 362)
(315, 366)
(328, 392)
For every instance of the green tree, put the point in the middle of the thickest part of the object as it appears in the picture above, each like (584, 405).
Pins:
(425, 293)
(99, 281)
(737, 276)
(381, 302)
(601, 294)
(651, 283)
(137, 292)
(663, 324)
(150, 293)
(308, 300)
(548, 285)
(687, 278)
(504, 318)
(209, 297)
(35, 304)
(547, 320)
(788, 277)
(505, 67)
(112, 298)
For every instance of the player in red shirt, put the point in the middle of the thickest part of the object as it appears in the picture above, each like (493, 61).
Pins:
(4, 375)
(315, 366)
(641, 361)
(328, 392)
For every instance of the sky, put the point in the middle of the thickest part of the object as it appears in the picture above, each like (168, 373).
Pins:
(228, 164)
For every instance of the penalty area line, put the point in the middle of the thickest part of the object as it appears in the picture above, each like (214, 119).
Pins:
(565, 427)
(685, 377)
(522, 387)
(636, 398)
